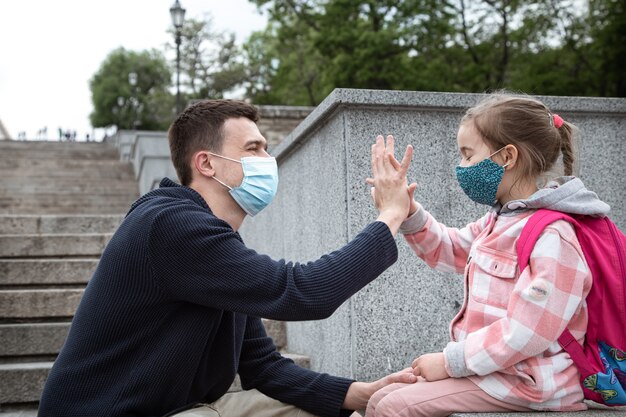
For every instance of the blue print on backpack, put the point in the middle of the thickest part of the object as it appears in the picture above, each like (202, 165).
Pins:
(610, 384)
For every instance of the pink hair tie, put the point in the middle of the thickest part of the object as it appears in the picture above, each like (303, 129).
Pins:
(558, 121)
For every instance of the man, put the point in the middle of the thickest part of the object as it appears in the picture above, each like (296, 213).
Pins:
(171, 314)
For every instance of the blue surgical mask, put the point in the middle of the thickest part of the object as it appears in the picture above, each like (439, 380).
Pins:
(481, 181)
(259, 184)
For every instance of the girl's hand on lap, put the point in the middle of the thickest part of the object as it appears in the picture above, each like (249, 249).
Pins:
(430, 366)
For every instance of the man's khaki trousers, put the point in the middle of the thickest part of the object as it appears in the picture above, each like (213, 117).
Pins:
(245, 404)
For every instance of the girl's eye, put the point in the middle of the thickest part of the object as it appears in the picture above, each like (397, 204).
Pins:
(467, 158)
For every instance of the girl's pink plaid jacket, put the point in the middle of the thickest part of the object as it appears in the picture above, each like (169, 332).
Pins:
(504, 338)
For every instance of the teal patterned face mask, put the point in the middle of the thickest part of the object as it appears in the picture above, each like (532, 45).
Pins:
(481, 181)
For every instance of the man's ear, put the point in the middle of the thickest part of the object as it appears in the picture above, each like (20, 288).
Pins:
(510, 154)
(202, 163)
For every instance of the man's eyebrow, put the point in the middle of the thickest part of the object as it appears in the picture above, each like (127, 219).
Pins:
(256, 142)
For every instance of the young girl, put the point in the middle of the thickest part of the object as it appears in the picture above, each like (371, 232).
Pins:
(504, 353)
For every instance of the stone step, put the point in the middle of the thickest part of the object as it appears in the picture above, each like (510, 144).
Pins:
(23, 382)
(20, 272)
(15, 167)
(67, 204)
(36, 339)
(51, 245)
(47, 224)
(23, 411)
(277, 330)
(74, 204)
(65, 186)
(39, 303)
(32, 339)
(57, 150)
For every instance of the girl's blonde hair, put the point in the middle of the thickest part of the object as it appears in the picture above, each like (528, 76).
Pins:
(507, 119)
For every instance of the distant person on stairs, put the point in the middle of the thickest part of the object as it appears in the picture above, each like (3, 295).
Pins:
(171, 314)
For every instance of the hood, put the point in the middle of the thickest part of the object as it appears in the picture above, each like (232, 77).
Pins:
(170, 189)
(565, 194)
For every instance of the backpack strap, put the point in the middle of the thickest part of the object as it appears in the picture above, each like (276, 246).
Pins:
(533, 228)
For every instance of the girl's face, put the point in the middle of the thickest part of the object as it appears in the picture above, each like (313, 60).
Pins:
(472, 147)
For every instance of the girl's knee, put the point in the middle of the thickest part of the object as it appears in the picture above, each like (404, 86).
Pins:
(370, 411)
(372, 404)
(389, 406)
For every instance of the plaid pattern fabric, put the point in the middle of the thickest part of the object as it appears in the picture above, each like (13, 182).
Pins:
(509, 323)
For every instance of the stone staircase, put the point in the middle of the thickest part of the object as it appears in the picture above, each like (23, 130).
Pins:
(60, 203)
(64, 178)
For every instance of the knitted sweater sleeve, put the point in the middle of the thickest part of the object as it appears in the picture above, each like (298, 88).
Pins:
(198, 258)
(263, 368)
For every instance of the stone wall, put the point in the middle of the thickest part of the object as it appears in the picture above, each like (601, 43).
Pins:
(277, 122)
(149, 153)
(323, 202)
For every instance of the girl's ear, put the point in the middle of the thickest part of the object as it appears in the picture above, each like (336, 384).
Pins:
(202, 162)
(509, 154)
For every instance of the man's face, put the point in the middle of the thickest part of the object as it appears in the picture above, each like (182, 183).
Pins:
(241, 138)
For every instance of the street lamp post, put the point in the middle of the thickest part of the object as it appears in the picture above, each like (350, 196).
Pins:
(178, 17)
(134, 101)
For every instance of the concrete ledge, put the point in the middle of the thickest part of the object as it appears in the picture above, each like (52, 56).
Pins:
(416, 100)
(595, 413)
(149, 154)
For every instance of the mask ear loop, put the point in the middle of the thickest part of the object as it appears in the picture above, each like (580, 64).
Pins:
(505, 165)
(227, 186)
(230, 159)
(225, 157)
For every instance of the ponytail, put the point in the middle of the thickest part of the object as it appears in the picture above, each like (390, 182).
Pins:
(566, 132)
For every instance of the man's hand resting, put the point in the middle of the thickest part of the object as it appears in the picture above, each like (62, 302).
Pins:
(359, 393)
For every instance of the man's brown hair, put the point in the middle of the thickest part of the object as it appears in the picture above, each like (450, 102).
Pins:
(200, 127)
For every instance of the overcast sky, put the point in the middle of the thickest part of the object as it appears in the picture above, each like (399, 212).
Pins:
(50, 49)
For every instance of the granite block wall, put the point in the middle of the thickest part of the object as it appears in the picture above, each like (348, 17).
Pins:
(323, 202)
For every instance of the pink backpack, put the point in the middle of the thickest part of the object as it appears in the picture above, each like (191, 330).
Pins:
(601, 360)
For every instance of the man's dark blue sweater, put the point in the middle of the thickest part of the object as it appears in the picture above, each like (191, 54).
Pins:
(171, 314)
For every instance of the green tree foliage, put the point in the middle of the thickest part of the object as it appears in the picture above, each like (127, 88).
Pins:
(130, 91)
(211, 63)
(565, 47)
(607, 51)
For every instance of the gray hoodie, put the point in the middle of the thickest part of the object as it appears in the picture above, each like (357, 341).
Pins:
(566, 194)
